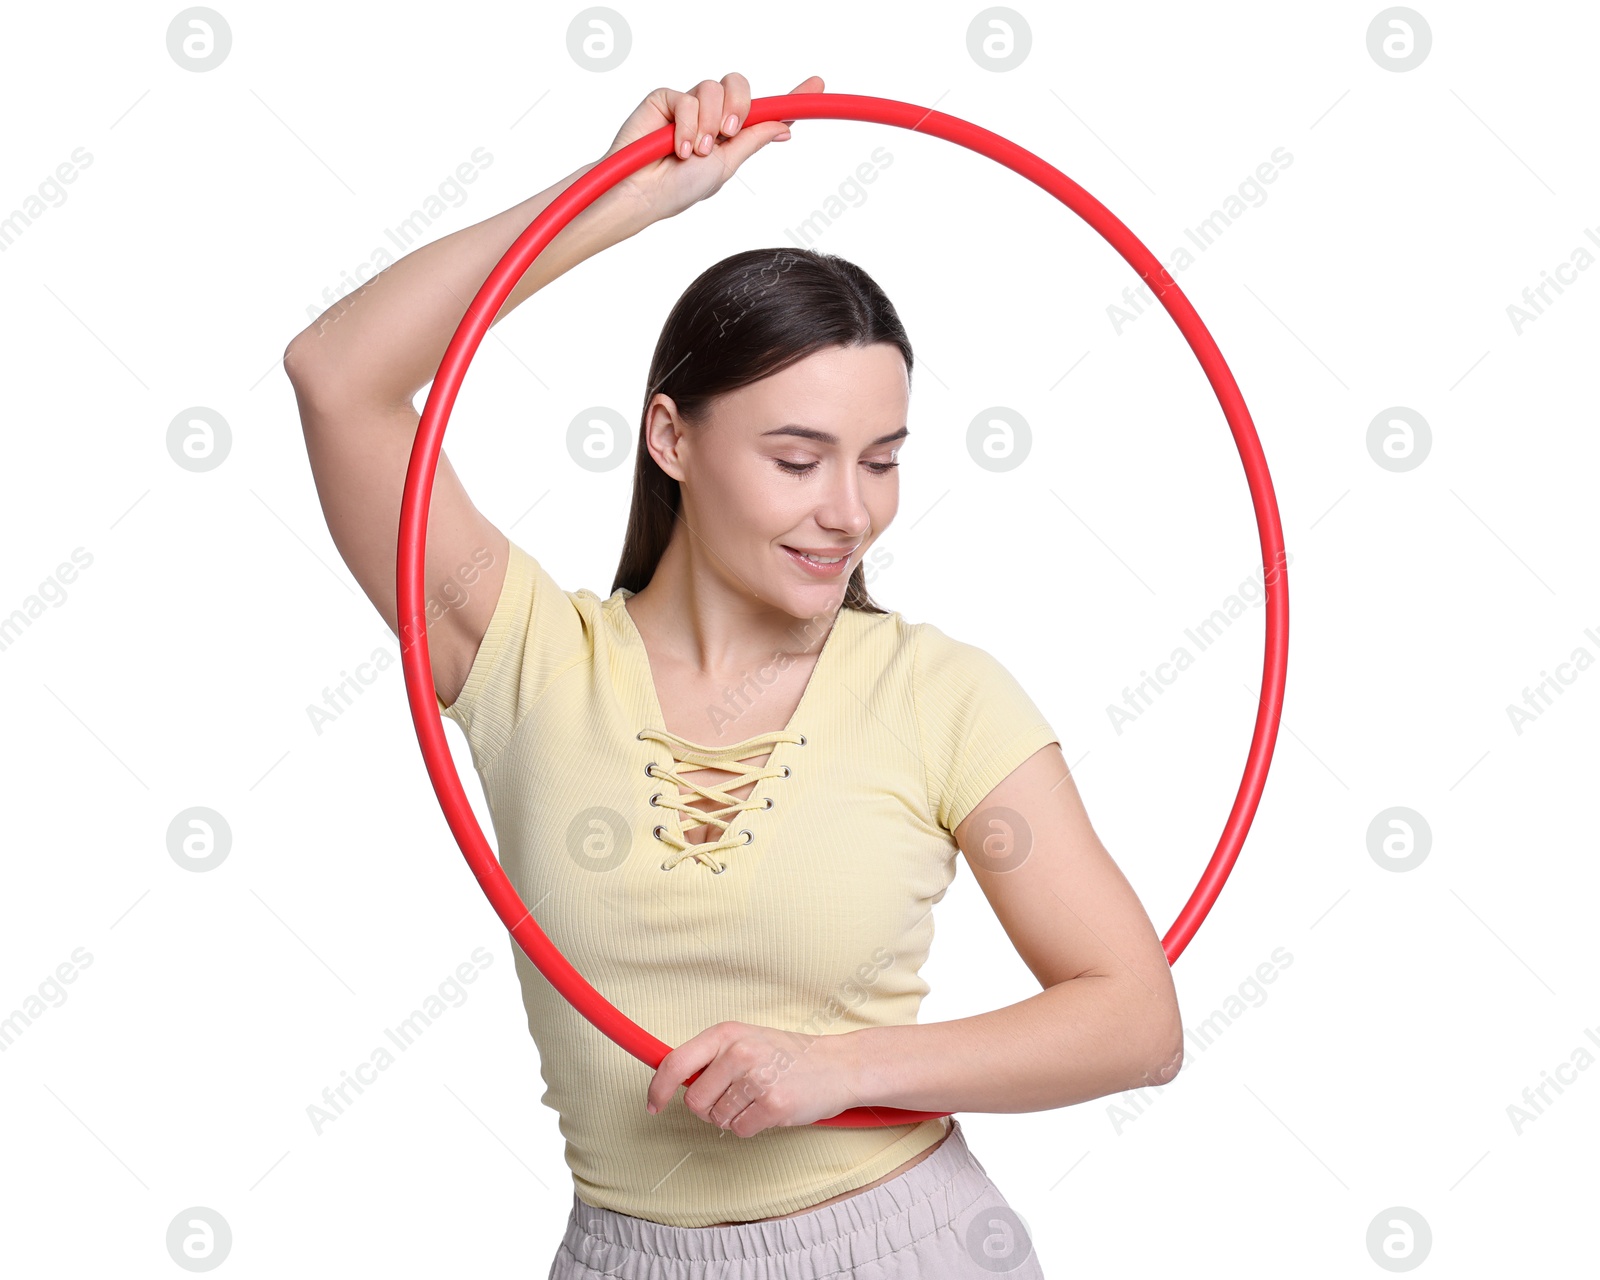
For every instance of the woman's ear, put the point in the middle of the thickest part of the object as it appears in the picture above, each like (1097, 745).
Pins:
(664, 435)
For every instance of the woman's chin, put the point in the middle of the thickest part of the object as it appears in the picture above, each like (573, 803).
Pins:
(809, 599)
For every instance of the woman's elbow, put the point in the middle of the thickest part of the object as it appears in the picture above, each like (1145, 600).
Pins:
(1157, 1046)
(1166, 1068)
(1164, 1064)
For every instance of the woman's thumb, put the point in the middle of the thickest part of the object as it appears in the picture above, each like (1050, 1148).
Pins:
(811, 84)
(747, 142)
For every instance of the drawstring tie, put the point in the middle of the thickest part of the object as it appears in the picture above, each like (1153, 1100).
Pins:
(687, 755)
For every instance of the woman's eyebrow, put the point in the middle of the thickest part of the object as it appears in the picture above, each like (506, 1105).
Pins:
(827, 437)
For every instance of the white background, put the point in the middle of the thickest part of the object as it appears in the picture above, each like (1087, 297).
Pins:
(1374, 1073)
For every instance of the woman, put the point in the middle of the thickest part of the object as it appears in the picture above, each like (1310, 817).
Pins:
(760, 777)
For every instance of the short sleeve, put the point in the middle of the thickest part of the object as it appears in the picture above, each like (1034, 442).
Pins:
(535, 633)
(976, 722)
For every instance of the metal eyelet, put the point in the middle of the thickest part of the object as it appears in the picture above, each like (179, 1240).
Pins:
(721, 867)
(768, 804)
(785, 772)
(639, 737)
(802, 740)
(748, 836)
(665, 867)
(653, 800)
(649, 767)
(657, 832)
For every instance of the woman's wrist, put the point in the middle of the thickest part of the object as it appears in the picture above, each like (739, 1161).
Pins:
(621, 212)
(861, 1062)
(608, 220)
(611, 218)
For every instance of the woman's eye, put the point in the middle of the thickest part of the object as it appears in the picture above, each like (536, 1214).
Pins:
(800, 469)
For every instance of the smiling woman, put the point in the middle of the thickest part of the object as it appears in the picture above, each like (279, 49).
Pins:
(737, 786)
(777, 371)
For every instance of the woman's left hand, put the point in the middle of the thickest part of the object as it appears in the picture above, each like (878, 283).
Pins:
(756, 1077)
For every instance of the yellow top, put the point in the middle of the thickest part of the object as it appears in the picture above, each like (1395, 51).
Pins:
(812, 912)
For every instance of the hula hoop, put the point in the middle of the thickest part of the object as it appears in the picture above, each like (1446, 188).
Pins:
(411, 556)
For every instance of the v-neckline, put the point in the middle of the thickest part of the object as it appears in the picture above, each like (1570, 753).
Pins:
(636, 638)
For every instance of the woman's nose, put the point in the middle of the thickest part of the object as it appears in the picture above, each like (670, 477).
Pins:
(844, 508)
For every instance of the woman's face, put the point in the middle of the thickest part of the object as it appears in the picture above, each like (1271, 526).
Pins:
(802, 461)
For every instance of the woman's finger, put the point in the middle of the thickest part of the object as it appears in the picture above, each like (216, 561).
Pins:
(734, 1102)
(708, 115)
(688, 1059)
(685, 121)
(669, 1075)
(735, 103)
(714, 1082)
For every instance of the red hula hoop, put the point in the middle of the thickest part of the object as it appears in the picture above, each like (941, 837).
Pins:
(425, 451)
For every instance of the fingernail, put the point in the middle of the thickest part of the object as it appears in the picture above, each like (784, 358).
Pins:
(705, 144)
(730, 124)
(683, 149)
(781, 137)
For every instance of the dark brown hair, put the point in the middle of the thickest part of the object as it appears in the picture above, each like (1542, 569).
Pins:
(741, 320)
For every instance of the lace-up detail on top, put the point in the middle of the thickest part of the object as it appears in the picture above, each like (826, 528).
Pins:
(686, 756)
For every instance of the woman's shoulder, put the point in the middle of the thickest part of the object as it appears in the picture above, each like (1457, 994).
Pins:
(923, 650)
(942, 662)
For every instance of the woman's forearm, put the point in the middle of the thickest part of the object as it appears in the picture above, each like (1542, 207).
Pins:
(1080, 1039)
(385, 340)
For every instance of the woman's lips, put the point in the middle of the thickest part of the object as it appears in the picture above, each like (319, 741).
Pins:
(818, 570)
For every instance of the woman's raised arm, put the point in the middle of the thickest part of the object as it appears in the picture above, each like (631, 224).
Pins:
(356, 368)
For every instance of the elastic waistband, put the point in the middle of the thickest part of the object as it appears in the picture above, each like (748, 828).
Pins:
(868, 1225)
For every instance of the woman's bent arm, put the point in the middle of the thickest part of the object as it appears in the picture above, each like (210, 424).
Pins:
(357, 368)
(355, 371)
(1108, 1018)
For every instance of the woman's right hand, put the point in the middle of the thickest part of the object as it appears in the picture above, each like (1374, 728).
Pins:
(708, 146)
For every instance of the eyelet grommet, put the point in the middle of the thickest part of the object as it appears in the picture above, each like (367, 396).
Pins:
(721, 867)
(768, 804)
(639, 737)
(657, 832)
(665, 867)
(649, 767)
(786, 771)
(653, 800)
(748, 836)
(802, 740)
